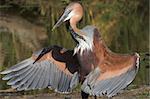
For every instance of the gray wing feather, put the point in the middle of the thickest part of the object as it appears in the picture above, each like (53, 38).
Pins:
(55, 78)
(75, 80)
(67, 88)
(24, 82)
(45, 84)
(30, 80)
(122, 84)
(17, 73)
(60, 85)
(35, 79)
(26, 76)
(19, 77)
(19, 66)
(108, 87)
(64, 80)
(52, 76)
(42, 76)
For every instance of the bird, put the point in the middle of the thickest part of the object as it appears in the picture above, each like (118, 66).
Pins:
(91, 63)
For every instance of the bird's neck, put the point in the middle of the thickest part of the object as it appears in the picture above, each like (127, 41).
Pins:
(73, 24)
(74, 27)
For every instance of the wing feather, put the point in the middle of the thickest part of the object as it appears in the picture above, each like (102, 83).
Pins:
(17, 67)
(19, 77)
(46, 77)
(60, 85)
(24, 82)
(109, 86)
(17, 73)
(35, 78)
(53, 69)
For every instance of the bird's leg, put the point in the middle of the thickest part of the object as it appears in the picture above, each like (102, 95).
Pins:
(67, 97)
(84, 95)
(95, 97)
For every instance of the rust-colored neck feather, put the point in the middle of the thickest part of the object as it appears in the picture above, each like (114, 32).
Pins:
(78, 13)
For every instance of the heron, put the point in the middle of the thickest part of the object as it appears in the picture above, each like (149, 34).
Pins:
(100, 71)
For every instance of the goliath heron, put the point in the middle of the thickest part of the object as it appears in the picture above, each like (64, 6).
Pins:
(100, 71)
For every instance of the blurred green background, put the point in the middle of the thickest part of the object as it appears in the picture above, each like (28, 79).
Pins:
(25, 26)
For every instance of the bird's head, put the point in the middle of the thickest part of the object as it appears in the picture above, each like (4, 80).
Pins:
(73, 13)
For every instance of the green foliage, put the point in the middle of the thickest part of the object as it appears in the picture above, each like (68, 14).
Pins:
(123, 24)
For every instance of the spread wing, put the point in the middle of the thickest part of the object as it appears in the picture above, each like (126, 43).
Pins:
(57, 69)
(111, 77)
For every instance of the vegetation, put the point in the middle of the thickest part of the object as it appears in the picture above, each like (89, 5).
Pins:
(123, 24)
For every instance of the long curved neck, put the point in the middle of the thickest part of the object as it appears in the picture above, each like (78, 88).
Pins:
(73, 24)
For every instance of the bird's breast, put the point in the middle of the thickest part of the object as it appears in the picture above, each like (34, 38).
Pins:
(87, 62)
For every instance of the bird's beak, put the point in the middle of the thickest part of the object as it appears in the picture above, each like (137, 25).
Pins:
(62, 19)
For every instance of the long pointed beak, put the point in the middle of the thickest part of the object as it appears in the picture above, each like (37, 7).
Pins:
(62, 19)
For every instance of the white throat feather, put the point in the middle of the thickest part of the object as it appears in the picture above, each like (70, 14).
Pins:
(87, 43)
(84, 45)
